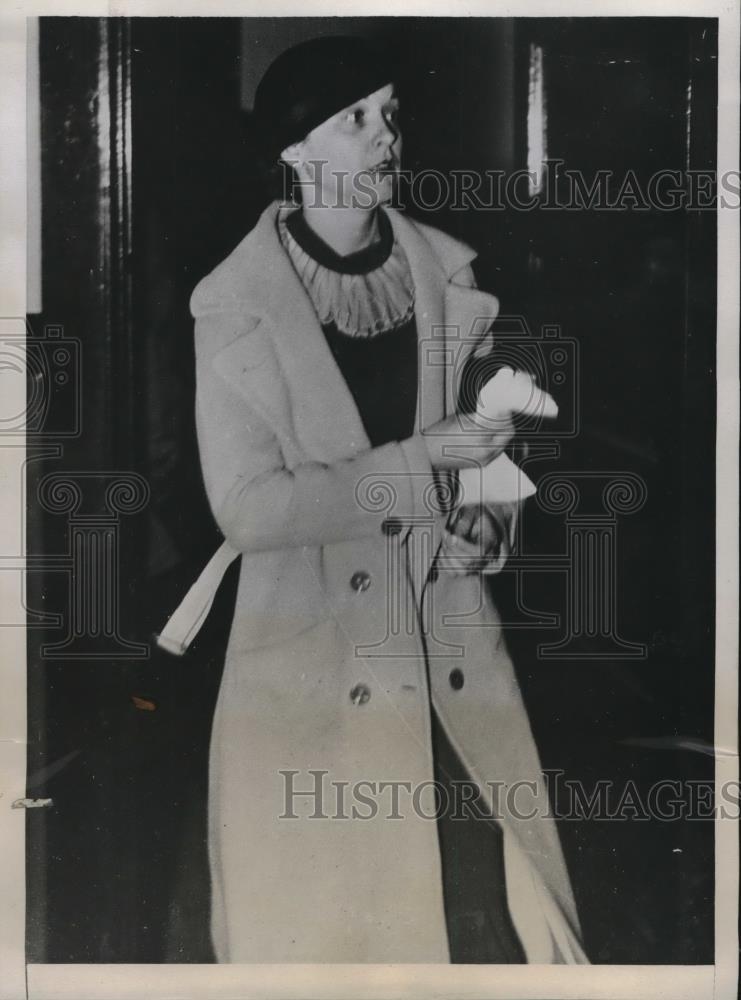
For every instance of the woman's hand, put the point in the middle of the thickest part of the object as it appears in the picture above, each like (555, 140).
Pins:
(479, 538)
(459, 441)
(474, 524)
(472, 540)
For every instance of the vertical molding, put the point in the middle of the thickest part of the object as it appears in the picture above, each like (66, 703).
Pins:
(537, 120)
(114, 137)
(33, 169)
(85, 89)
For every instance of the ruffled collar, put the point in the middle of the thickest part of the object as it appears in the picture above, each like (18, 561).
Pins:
(362, 294)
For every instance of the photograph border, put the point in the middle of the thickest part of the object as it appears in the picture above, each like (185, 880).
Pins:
(77, 982)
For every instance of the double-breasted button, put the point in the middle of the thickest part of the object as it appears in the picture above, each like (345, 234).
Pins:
(456, 678)
(360, 694)
(360, 581)
(392, 526)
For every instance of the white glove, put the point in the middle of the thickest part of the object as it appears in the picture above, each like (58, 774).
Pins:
(501, 481)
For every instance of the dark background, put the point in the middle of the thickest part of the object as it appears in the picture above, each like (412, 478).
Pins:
(148, 180)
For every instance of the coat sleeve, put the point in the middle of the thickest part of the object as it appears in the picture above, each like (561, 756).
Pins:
(261, 504)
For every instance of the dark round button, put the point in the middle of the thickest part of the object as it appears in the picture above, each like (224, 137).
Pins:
(456, 679)
(392, 526)
(360, 581)
(360, 694)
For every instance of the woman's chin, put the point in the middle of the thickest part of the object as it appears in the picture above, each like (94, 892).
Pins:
(387, 188)
(372, 196)
(365, 196)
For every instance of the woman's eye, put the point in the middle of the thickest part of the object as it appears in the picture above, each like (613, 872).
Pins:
(355, 117)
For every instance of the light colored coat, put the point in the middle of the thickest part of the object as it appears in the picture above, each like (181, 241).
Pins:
(327, 670)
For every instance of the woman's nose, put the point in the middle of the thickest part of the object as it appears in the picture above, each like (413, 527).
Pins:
(388, 132)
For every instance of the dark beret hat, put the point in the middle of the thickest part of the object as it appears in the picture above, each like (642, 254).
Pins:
(312, 81)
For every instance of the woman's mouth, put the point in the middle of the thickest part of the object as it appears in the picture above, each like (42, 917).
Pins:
(383, 169)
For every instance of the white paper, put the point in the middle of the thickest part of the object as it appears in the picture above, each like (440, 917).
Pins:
(501, 481)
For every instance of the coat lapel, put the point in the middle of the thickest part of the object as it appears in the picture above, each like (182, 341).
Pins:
(429, 313)
(325, 417)
(469, 314)
(452, 321)
(452, 318)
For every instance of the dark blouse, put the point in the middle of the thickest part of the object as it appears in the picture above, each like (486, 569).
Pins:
(380, 371)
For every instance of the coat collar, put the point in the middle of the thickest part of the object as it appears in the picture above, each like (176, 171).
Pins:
(444, 254)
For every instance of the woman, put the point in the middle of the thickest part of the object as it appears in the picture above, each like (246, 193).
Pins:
(366, 660)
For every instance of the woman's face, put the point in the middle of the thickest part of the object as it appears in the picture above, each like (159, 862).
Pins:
(353, 158)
